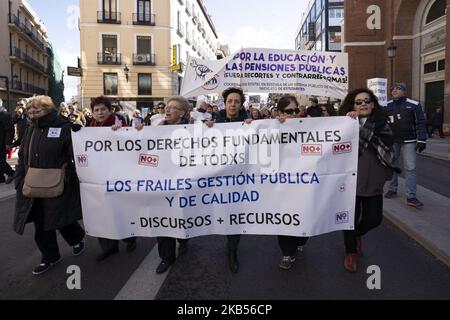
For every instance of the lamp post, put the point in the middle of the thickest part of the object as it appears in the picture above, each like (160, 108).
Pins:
(126, 71)
(7, 91)
(392, 51)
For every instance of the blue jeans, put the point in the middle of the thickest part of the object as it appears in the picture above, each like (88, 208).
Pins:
(408, 153)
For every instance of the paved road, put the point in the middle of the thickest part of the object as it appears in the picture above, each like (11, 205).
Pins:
(98, 280)
(407, 270)
(434, 175)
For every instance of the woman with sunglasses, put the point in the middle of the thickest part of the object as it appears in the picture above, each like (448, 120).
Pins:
(289, 245)
(374, 168)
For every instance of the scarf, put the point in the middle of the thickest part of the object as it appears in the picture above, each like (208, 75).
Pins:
(371, 135)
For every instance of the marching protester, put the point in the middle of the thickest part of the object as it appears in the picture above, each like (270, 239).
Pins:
(137, 118)
(46, 159)
(88, 115)
(104, 117)
(289, 245)
(410, 135)
(234, 112)
(314, 110)
(328, 110)
(6, 142)
(76, 116)
(375, 166)
(20, 121)
(177, 113)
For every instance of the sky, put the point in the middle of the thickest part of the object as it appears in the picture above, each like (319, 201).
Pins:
(239, 23)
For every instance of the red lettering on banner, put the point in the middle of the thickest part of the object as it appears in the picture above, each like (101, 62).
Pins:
(148, 160)
(311, 149)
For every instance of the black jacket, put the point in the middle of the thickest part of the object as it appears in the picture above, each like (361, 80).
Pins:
(222, 117)
(407, 120)
(6, 129)
(48, 152)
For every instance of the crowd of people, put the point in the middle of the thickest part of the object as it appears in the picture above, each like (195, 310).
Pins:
(43, 133)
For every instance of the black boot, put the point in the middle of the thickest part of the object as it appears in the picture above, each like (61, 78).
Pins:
(233, 261)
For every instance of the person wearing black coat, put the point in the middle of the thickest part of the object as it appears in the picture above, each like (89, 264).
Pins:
(234, 112)
(6, 141)
(47, 144)
(375, 167)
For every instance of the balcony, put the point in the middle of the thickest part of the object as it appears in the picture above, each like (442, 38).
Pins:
(109, 58)
(188, 39)
(188, 10)
(32, 36)
(16, 85)
(14, 21)
(181, 2)
(33, 63)
(143, 19)
(33, 89)
(194, 18)
(16, 53)
(108, 17)
(180, 30)
(194, 46)
(144, 59)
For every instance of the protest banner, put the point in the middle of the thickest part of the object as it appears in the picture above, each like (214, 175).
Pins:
(317, 73)
(297, 178)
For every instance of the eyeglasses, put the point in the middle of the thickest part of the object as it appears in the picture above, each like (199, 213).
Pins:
(291, 111)
(365, 101)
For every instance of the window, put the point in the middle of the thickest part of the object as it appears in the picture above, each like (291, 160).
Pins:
(110, 5)
(437, 10)
(144, 83)
(110, 84)
(441, 65)
(109, 44)
(430, 67)
(332, 13)
(143, 10)
(144, 45)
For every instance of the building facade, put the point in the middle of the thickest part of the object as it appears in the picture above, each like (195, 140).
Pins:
(135, 51)
(320, 28)
(415, 32)
(23, 52)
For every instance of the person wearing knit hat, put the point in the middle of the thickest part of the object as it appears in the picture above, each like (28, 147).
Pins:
(410, 134)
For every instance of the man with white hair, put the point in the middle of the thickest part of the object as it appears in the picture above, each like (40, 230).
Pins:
(6, 139)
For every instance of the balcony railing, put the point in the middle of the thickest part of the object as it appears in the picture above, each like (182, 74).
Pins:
(145, 59)
(30, 34)
(33, 89)
(109, 58)
(188, 38)
(108, 17)
(194, 18)
(16, 85)
(16, 52)
(188, 9)
(29, 60)
(14, 20)
(143, 19)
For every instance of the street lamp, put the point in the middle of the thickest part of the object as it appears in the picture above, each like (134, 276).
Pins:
(126, 71)
(7, 91)
(392, 51)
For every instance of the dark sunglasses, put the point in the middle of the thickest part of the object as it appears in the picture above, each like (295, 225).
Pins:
(365, 101)
(291, 111)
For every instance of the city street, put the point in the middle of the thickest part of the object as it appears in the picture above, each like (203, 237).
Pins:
(408, 271)
(156, 120)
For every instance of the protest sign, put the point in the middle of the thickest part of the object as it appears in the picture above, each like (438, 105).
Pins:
(296, 178)
(317, 73)
(379, 88)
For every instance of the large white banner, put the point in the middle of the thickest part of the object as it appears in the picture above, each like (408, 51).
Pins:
(305, 72)
(296, 178)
